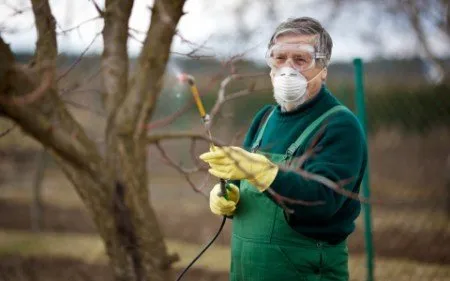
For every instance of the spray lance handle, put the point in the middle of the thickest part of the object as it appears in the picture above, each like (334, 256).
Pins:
(223, 189)
(206, 120)
(223, 183)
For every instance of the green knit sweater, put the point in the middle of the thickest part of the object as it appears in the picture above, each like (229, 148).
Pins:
(342, 156)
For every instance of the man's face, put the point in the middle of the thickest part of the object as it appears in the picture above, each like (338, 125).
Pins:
(314, 85)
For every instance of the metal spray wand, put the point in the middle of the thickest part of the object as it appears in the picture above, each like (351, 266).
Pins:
(223, 185)
(205, 118)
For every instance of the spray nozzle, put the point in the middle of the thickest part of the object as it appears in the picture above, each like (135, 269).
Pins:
(184, 77)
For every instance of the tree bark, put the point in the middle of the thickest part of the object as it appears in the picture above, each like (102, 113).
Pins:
(136, 223)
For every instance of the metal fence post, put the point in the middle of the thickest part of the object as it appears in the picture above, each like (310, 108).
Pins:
(361, 113)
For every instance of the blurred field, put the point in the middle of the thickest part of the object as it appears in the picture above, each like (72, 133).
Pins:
(408, 174)
(411, 230)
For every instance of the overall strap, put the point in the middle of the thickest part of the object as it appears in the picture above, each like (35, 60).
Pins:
(263, 121)
(305, 134)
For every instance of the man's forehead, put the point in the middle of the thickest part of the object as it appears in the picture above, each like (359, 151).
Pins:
(296, 38)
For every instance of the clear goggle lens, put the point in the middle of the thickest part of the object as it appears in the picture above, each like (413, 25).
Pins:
(299, 56)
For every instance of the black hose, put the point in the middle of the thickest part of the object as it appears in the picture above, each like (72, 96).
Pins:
(204, 249)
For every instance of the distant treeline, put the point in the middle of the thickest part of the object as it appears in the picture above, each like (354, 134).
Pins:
(379, 71)
(398, 93)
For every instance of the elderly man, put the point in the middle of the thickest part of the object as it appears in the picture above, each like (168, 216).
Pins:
(303, 241)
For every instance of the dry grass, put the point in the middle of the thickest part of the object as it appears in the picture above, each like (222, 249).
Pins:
(410, 170)
(89, 249)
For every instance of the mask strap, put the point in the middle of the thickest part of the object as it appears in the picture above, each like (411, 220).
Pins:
(315, 76)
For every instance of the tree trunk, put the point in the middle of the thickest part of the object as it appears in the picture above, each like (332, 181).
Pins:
(134, 243)
(129, 230)
(112, 186)
(121, 211)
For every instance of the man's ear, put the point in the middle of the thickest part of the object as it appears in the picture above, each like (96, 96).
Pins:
(324, 74)
(271, 73)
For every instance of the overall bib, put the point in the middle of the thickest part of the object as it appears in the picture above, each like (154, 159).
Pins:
(265, 248)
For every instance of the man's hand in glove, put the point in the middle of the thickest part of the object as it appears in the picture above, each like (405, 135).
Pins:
(234, 163)
(221, 206)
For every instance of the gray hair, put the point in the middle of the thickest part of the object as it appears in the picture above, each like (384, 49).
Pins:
(307, 26)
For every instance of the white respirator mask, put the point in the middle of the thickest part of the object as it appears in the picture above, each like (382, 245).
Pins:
(289, 85)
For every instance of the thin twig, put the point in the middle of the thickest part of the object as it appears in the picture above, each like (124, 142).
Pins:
(238, 134)
(180, 169)
(100, 12)
(72, 89)
(195, 48)
(154, 138)
(64, 31)
(192, 56)
(165, 121)
(80, 57)
(326, 182)
(132, 36)
(7, 131)
(194, 158)
(281, 200)
(222, 98)
(84, 107)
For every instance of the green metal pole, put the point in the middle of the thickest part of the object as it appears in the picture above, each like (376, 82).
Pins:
(361, 113)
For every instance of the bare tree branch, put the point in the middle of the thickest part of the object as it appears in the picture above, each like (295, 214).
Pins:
(46, 46)
(114, 69)
(154, 138)
(221, 95)
(165, 121)
(7, 131)
(114, 65)
(79, 58)
(45, 119)
(183, 171)
(412, 11)
(139, 105)
(35, 94)
(194, 157)
(237, 135)
(281, 200)
(67, 30)
(193, 54)
(38, 119)
(84, 107)
(100, 12)
(73, 88)
(296, 167)
(56, 138)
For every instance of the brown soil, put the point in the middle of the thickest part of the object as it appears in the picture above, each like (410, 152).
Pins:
(14, 268)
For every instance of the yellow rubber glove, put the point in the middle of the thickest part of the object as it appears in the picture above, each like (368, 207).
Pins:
(235, 163)
(221, 206)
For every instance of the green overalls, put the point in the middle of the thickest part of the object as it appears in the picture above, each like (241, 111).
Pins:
(265, 248)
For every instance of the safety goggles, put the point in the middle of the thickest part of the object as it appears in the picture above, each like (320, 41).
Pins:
(299, 56)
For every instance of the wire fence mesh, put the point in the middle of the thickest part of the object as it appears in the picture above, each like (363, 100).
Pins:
(409, 146)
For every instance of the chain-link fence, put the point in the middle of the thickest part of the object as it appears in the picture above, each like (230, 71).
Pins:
(409, 142)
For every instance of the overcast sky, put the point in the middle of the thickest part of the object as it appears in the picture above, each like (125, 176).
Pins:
(212, 21)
